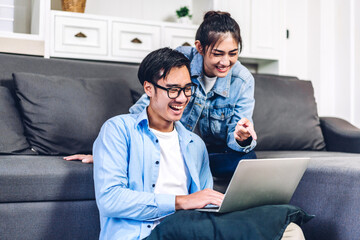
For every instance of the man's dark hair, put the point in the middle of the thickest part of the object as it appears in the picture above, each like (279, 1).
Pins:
(214, 26)
(157, 64)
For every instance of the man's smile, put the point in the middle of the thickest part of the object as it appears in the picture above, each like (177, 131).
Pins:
(176, 107)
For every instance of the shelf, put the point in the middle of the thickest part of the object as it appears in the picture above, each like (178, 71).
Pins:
(22, 36)
(29, 28)
(22, 44)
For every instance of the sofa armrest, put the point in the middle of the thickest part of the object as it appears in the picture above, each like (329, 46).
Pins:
(340, 135)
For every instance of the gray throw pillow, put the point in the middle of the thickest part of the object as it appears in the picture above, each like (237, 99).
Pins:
(64, 115)
(12, 139)
(285, 114)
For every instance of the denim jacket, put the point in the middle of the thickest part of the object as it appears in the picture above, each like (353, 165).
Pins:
(218, 111)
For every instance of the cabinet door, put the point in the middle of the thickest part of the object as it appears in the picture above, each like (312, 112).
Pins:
(260, 25)
(265, 28)
(79, 37)
(240, 11)
(177, 36)
(133, 41)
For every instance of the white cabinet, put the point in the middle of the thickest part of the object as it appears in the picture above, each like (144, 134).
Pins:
(52, 33)
(87, 36)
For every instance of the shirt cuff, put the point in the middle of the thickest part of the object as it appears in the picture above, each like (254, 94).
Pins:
(234, 145)
(165, 204)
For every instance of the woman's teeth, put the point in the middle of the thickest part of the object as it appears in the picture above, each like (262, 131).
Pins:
(222, 68)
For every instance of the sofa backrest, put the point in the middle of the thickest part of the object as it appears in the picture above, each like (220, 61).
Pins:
(10, 63)
(285, 114)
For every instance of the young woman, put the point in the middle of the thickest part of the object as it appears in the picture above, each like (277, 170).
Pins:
(221, 109)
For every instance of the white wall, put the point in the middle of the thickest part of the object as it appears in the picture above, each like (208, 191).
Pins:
(356, 63)
(330, 30)
(342, 52)
(313, 50)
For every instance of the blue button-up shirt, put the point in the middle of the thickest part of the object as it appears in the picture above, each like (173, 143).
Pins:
(126, 156)
(218, 111)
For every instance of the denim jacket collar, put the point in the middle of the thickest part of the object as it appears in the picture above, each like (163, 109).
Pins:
(184, 135)
(196, 65)
(222, 85)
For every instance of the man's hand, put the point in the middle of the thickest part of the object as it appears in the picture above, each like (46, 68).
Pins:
(199, 199)
(85, 158)
(244, 129)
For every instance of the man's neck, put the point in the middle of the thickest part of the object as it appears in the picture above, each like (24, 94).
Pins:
(157, 123)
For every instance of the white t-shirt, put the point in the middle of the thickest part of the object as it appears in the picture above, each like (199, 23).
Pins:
(208, 82)
(173, 174)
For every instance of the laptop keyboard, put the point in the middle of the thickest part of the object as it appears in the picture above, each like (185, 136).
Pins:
(211, 206)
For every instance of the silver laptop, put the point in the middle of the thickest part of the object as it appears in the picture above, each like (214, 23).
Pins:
(259, 182)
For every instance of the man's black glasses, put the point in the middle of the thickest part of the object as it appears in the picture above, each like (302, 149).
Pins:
(174, 92)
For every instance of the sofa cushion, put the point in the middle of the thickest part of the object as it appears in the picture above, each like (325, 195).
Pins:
(55, 220)
(63, 115)
(44, 178)
(285, 114)
(12, 138)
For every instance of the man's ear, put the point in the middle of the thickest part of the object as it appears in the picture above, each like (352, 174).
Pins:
(199, 47)
(149, 88)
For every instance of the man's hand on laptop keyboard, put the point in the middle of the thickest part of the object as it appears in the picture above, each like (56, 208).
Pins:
(199, 199)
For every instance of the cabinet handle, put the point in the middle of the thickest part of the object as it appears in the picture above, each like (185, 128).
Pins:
(186, 44)
(136, 40)
(80, 35)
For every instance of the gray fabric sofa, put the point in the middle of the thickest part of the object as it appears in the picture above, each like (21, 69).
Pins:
(44, 197)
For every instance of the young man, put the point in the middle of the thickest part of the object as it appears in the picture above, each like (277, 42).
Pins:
(148, 165)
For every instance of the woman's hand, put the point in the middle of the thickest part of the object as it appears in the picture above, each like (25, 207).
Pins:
(85, 158)
(244, 129)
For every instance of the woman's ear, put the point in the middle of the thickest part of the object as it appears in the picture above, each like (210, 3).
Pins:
(148, 88)
(199, 47)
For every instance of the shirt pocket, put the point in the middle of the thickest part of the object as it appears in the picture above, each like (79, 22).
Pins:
(220, 118)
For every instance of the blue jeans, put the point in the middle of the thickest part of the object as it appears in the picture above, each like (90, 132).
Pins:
(224, 163)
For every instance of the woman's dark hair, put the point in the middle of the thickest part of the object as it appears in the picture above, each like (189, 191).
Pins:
(157, 64)
(215, 24)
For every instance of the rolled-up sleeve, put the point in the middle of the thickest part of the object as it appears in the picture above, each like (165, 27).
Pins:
(243, 109)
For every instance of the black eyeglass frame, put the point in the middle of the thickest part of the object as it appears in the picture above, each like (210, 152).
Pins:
(193, 89)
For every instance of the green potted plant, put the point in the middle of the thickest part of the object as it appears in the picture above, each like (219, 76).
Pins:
(183, 15)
